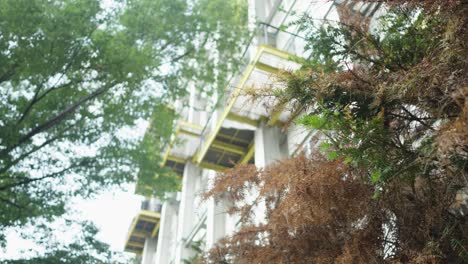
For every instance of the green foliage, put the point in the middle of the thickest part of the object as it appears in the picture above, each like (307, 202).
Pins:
(154, 180)
(350, 104)
(391, 105)
(77, 83)
(313, 121)
(390, 108)
(198, 248)
(403, 38)
(460, 248)
(197, 40)
(84, 249)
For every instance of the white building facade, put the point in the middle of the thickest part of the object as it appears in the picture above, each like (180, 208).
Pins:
(211, 137)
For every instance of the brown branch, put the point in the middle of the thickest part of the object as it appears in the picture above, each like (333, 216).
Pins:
(355, 75)
(11, 203)
(31, 180)
(417, 118)
(56, 119)
(32, 151)
(30, 105)
(190, 50)
(38, 97)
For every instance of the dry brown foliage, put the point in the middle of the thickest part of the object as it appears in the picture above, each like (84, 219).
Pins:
(322, 211)
(317, 210)
(428, 5)
(453, 137)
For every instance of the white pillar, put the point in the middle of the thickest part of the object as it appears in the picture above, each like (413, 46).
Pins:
(149, 250)
(167, 233)
(216, 218)
(270, 145)
(187, 216)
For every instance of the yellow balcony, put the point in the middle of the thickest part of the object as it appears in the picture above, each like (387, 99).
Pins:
(228, 138)
(182, 146)
(144, 225)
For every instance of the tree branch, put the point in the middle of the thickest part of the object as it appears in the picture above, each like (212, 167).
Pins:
(56, 119)
(190, 50)
(417, 118)
(38, 97)
(355, 75)
(30, 105)
(11, 203)
(8, 74)
(31, 180)
(68, 65)
(32, 151)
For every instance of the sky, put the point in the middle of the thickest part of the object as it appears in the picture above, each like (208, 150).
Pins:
(112, 212)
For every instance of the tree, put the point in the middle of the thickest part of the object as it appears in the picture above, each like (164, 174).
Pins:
(391, 107)
(84, 249)
(77, 79)
(312, 211)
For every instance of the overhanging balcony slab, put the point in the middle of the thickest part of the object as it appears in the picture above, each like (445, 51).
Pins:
(144, 225)
(182, 146)
(240, 108)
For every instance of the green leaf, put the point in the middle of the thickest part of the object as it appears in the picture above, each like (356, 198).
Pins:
(376, 195)
(283, 27)
(332, 155)
(348, 160)
(313, 121)
(375, 176)
(324, 146)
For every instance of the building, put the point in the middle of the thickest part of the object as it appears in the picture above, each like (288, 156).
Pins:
(215, 136)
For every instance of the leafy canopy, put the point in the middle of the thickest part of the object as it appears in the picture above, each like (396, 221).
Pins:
(77, 82)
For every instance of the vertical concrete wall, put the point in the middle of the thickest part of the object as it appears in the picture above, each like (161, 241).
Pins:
(167, 233)
(270, 145)
(297, 138)
(216, 217)
(149, 251)
(187, 214)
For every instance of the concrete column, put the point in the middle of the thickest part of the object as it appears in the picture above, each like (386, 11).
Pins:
(154, 205)
(149, 250)
(187, 217)
(216, 218)
(270, 145)
(167, 233)
(252, 25)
